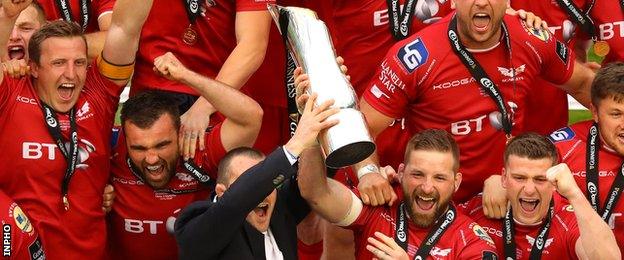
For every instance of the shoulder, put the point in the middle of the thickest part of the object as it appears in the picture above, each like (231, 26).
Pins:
(421, 48)
(573, 132)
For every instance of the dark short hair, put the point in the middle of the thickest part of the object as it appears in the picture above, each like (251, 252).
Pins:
(59, 29)
(148, 106)
(225, 163)
(608, 83)
(532, 146)
(434, 140)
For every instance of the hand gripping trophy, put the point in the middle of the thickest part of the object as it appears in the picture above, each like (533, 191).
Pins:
(310, 45)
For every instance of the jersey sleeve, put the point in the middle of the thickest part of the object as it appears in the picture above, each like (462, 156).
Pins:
(252, 5)
(391, 89)
(214, 150)
(557, 59)
(102, 7)
(472, 206)
(102, 90)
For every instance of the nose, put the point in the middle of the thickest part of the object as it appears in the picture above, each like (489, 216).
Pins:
(70, 71)
(529, 188)
(151, 157)
(14, 35)
(427, 186)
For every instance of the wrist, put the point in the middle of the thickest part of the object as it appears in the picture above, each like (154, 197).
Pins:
(367, 169)
(293, 149)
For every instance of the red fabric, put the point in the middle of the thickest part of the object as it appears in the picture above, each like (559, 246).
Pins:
(538, 120)
(98, 7)
(364, 33)
(459, 241)
(141, 214)
(32, 154)
(609, 20)
(561, 240)
(309, 252)
(440, 92)
(24, 241)
(163, 32)
(571, 142)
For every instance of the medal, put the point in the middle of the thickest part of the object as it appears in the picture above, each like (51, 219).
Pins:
(601, 48)
(189, 36)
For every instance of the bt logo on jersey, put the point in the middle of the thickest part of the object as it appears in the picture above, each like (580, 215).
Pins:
(31, 150)
(608, 30)
(138, 226)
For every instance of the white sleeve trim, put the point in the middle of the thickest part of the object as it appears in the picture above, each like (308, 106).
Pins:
(354, 211)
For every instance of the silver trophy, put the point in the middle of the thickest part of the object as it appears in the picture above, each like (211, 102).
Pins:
(309, 42)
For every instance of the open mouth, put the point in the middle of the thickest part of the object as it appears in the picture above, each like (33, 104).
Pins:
(481, 22)
(425, 203)
(529, 205)
(155, 172)
(261, 209)
(66, 91)
(16, 52)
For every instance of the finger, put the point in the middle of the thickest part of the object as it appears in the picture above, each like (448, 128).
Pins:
(186, 145)
(22, 69)
(387, 194)
(376, 252)
(486, 210)
(324, 106)
(379, 245)
(343, 68)
(329, 123)
(386, 239)
(297, 72)
(327, 113)
(380, 196)
(340, 60)
(202, 142)
(365, 198)
(544, 25)
(310, 103)
(521, 13)
(301, 78)
(181, 140)
(193, 144)
(393, 199)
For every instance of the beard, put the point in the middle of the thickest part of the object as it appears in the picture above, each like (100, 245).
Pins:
(169, 170)
(425, 220)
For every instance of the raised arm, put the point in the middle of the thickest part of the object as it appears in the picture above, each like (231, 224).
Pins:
(122, 40)
(243, 114)
(95, 40)
(596, 240)
(9, 11)
(579, 85)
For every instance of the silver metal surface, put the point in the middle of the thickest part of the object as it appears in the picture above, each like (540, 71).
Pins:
(308, 40)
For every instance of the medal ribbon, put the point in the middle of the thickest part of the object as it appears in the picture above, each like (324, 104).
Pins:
(63, 6)
(192, 9)
(592, 174)
(401, 234)
(289, 81)
(479, 73)
(540, 240)
(579, 17)
(135, 171)
(70, 154)
(400, 22)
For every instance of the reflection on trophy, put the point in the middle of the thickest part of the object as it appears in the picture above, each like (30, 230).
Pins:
(308, 41)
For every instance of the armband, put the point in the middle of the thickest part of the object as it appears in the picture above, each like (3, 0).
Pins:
(114, 71)
(354, 212)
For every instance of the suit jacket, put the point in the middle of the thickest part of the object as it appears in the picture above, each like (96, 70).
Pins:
(218, 230)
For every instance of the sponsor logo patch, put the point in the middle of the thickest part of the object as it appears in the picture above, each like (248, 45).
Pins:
(413, 55)
(478, 230)
(562, 52)
(562, 134)
(21, 221)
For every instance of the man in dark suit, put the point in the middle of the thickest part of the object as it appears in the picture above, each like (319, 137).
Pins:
(252, 218)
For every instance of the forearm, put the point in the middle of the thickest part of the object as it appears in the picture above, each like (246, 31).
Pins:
(122, 39)
(579, 86)
(596, 237)
(325, 196)
(95, 43)
(236, 106)
(237, 69)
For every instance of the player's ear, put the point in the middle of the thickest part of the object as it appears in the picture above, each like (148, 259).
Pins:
(458, 180)
(220, 189)
(503, 178)
(34, 69)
